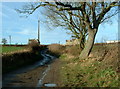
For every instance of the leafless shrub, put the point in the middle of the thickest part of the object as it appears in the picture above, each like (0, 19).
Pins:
(56, 48)
(34, 46)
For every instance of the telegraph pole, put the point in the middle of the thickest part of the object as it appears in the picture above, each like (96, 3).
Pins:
(10, 39)
(39, 31)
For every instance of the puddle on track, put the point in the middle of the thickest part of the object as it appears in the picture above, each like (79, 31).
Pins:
(50, 85)
(40, 84)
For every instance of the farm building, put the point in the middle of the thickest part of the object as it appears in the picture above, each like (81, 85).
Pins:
(32, 40)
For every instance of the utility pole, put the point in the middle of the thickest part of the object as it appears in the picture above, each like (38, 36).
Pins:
(59, 42)
(39, 31)
(10, 39)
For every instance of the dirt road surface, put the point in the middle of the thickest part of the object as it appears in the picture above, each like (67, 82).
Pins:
(49, 74)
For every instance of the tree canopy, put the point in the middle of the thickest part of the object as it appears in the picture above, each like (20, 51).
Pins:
(78, 17)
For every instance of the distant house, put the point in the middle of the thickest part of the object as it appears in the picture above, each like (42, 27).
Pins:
(72, 42)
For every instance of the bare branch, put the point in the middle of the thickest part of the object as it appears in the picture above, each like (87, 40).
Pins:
(108, 17)
(104, 11)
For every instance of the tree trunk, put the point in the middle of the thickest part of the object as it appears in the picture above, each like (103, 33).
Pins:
(82, 41)
(89, 45)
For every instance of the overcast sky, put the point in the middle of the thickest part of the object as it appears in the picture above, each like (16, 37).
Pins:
(22, 29)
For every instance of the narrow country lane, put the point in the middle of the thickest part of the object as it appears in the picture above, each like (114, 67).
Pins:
(43, 73)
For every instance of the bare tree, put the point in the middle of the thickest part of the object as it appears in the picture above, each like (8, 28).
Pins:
(4, 41)
(61, 18)
(69, 22)
(91, 15)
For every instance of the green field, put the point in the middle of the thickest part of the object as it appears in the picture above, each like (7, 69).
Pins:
(8, 49)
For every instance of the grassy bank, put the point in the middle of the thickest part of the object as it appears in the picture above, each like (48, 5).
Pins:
(100, 69)
(17, 57)
(87, 73)
(15, 61)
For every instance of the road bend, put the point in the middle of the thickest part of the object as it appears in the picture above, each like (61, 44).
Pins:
(9, 80)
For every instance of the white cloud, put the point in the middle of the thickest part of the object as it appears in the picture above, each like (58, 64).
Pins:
(28, 31)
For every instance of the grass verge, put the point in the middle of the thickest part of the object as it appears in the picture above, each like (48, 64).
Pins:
(87, 73)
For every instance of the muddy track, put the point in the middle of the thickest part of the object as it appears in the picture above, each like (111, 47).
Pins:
(37, 75)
